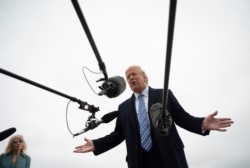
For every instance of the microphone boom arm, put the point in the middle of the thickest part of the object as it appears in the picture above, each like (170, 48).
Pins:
(161, 118)
(167, 118)
(90, 38)
(83, 105)
(171, 21)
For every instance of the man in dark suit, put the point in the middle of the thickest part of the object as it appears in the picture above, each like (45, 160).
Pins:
(165, 151)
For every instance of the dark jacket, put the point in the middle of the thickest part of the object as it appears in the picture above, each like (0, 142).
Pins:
(170, 147)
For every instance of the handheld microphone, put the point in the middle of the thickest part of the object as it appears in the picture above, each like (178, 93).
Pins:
(6, 133)
(113, 87)
(94, 123)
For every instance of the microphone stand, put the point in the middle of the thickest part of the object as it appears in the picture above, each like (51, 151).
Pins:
(83, 105)
(90, 38)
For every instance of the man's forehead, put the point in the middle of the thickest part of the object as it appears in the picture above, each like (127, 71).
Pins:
(132, 70)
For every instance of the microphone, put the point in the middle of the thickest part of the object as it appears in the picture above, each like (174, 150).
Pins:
(4, 134)
(161, 124)
(94, 123)
(113, 87)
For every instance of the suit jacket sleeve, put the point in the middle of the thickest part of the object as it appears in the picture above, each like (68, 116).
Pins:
(184, 119)
(109, 141)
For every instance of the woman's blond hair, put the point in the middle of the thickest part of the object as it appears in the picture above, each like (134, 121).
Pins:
(9, 149)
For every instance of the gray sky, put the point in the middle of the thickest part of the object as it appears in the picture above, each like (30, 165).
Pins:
(43, 40)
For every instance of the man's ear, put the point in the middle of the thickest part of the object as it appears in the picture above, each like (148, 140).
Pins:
(146, 78)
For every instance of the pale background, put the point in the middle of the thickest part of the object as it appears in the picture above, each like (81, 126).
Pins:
(43, 40)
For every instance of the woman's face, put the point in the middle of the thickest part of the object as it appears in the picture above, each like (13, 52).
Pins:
(17, 144)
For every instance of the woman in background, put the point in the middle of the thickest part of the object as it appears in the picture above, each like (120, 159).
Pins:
(14, 155)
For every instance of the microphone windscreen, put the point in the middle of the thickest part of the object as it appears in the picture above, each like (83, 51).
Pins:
(110, 116)
(161, 125)
(119, 85)
(6, 133)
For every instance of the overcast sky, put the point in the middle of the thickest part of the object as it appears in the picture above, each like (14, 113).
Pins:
(43, 40)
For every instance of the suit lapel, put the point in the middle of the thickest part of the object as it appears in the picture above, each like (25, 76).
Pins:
(132, 113)
(151, 98)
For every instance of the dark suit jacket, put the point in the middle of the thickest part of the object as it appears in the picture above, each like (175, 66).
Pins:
(170, 148)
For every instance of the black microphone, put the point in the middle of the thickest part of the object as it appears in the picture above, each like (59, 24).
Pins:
(109, 117)
(161, 124)
(113, 87)
(6, 133)
(94, 123)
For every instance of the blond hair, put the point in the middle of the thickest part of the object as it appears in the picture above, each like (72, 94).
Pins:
(9, 149)
(140, 69)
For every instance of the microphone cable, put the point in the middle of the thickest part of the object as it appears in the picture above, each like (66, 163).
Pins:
(67, 107)
(84, 67)
(67, 122)
(88, 123)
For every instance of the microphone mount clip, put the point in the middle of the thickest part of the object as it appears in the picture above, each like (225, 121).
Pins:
(91, 108)
(91, 123)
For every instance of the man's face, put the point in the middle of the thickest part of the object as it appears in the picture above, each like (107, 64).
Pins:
(136, 79)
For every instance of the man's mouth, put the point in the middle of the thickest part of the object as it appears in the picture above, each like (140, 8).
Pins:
(133, 83)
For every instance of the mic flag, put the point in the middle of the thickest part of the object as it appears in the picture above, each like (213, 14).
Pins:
(6, 133)
(161, 124)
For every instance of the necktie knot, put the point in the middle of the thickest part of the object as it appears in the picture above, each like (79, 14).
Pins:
(140, 96)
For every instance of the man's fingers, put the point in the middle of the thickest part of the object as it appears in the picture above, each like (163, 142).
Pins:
(214, 114)
(221, 130)
(225, 119)
(223, 125)
(226, 122)
(78, 147)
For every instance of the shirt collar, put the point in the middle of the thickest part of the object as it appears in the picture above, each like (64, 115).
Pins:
(144, 93)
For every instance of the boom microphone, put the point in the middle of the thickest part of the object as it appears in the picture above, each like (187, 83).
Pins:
(161, 124)
(94, 123)
(109, 117)
(4, 134)
(113, 87)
